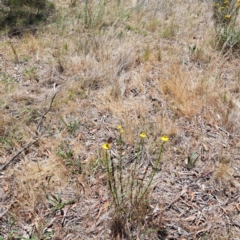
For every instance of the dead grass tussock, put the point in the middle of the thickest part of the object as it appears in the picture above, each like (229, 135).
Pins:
(30, 46)
(224, 172)
(31, 188)
(180, 86)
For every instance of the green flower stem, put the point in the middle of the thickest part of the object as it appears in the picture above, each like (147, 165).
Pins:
(120, 170)
(114, 182)
(153, 173)
(133, 173)
(111, 180)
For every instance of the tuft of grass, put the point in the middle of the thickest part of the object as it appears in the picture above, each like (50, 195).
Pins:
(64, 151)
(31, 73)
(223, 174)
(16, 58)
(169, 29)
(72, 127)
(10, 223)
(56, 202)
(191, 160)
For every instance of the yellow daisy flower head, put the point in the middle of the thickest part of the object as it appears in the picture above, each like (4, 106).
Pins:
(106, 146)
(164, 138)
(143, 135)
(221, 8)
(120, 129)
(227, 16)
(225, 2)
(217, 5)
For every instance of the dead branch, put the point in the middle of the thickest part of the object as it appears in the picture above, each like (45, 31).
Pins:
(6, 210)
(18, 153)
(45, 113)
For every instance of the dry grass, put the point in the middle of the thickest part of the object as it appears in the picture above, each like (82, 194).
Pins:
(149, 67)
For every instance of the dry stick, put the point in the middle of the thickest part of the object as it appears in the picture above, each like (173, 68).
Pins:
(171, 203)
(223, 130)
(6, 211)
(18, 153)
(44, 114)
(30, 144)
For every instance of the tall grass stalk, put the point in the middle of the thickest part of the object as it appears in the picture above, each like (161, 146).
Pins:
(111, 177)
(153, 173)
(134, 179)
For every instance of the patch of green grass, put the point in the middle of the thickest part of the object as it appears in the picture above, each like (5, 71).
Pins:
(7, 82)
(56, 202)
(73, 164)
(169, 29)
(31, 73)
(64, 151)
(9, 141)
(72, 127)
(191, 160)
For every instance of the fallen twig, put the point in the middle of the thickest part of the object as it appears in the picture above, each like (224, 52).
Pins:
(206, 174)
(171, 203)
(6, 211)
(223, 130)
(18, 153)
(45, 113)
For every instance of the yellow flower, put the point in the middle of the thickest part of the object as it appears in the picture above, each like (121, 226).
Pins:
(120, 129)
(164, 138)
(217, 5)
(106, 146)
(227, 16)
(226, 2)
(221, 8)
(238, 1)
(143, 135)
